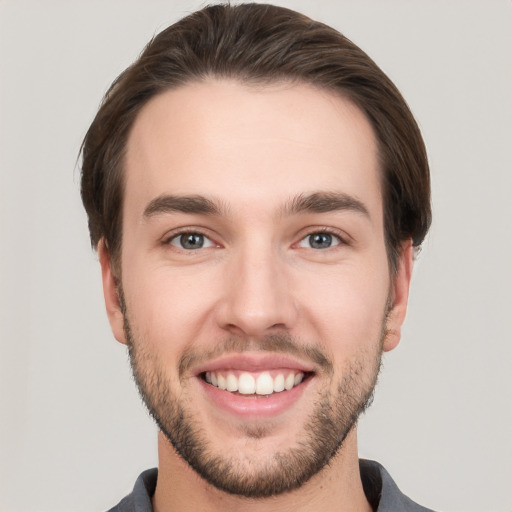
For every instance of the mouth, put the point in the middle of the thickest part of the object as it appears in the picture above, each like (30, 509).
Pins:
(255, 384)
(260, 383)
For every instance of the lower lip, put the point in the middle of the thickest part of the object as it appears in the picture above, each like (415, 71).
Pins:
(260, 406)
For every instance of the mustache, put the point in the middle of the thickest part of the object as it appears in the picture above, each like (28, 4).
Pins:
(281, 343)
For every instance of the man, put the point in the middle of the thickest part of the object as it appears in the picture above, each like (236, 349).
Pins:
(256, 189)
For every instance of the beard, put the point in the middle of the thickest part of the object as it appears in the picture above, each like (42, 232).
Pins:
(333, 415)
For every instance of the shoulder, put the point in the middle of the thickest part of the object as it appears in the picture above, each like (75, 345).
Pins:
(382, 492)
(139, 500)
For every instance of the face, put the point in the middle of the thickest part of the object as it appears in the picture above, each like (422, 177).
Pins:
(256, 296)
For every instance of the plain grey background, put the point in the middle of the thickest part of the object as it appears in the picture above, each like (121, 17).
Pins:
(73, 432)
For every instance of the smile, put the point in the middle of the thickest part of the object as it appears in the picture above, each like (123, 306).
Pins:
(246, 383)
(254, 385)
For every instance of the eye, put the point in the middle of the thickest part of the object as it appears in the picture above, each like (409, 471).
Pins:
(320, 241)
(191, 241)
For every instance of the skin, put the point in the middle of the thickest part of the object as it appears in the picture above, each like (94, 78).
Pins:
(251, 150)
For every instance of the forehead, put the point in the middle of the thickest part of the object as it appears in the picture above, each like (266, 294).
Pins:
(246, 145)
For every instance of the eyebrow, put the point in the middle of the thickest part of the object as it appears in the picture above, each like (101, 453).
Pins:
(184, 204)
(323, 202)
(316, 202)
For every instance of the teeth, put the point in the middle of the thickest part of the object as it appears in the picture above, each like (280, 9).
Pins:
(221, 381)
(279, 383)
(231, 382)
(264, 384)
(289, 382)
(247, 384)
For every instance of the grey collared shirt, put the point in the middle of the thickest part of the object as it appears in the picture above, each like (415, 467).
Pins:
(380, 489)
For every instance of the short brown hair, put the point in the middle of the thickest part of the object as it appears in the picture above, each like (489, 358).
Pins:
(258, 43)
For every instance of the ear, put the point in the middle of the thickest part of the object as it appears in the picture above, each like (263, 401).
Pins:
(112, 303)
(399, 295)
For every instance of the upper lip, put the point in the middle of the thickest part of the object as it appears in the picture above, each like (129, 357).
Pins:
(253, 362)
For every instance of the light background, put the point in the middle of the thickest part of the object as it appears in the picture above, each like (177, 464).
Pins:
(73, 433)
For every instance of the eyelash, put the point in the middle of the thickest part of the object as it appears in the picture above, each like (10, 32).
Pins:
(185, 231)
(338, 235)
(335, 233)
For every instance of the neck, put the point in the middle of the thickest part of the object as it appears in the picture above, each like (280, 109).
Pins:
(337, 487)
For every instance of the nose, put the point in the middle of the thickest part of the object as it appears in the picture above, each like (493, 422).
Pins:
(258, 297)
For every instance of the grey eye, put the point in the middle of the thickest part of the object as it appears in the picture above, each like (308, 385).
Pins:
(191, 241)
(319, 241)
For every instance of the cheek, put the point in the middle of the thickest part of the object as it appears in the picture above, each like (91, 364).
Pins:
(167, 309)
(347, 307)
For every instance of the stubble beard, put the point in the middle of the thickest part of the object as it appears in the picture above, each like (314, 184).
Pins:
(332, 417)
